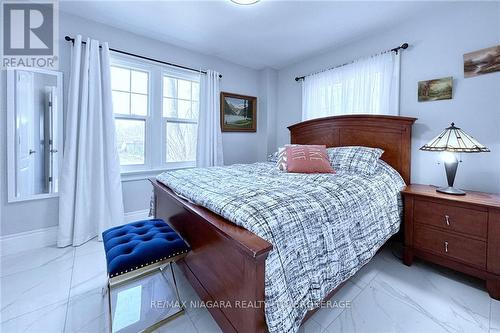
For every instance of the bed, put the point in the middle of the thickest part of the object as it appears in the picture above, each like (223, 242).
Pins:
(228, 262)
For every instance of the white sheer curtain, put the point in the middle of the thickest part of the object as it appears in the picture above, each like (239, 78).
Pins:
(90, 199)
(367, 86)
(209, 142)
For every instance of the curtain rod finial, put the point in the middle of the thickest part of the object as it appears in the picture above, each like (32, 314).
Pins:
(404, 46)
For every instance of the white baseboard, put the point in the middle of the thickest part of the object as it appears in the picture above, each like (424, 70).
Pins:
(29, 240)
(136, 216)
(35, 239)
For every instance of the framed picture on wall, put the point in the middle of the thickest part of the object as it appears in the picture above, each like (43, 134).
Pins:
(482, 61)
(238, 113)
(434, 90)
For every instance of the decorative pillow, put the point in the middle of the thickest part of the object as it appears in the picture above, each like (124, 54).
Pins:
(279, 157)
(281, 161)
(307, 159)
(273, 157)
(354, 158)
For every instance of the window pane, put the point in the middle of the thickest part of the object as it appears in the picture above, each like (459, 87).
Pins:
(181, 142)
(169, 108)
(139, 82)
(195, 108)
(184, 109)
(139, 104)
(121, 102)
(130, 136)
(120, 78)
(184, 89)
(196, 91)
(169, 87)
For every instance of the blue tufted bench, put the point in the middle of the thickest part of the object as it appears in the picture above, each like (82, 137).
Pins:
(136, 249)
(139, 244)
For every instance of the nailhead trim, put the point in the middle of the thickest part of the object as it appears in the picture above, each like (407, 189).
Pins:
(152, 262)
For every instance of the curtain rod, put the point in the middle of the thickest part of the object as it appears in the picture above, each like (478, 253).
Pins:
(403, 46)
(72, 40)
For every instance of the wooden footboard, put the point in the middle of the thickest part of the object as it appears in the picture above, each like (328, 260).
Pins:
(226, 264)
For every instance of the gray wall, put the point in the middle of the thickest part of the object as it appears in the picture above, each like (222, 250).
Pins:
(238, 147)
(438, 41)
(269, 102)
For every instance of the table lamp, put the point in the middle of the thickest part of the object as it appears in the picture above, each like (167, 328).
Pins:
(453, 140)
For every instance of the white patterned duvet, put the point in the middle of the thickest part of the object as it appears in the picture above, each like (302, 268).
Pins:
(324, 227)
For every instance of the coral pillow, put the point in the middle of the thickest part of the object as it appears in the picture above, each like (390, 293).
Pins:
(307, 159)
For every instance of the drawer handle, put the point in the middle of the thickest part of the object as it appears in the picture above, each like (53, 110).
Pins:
(447, 218)
(446, 246)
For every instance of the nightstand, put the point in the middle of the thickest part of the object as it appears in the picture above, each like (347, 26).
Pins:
(459, 232)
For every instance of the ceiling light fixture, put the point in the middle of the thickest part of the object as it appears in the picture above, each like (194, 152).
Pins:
(245, 2)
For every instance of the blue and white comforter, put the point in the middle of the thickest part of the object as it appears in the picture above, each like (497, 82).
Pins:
(324, 227)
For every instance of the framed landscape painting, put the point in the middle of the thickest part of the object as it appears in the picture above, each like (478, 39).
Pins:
(238, 113)
(482, 61)
(434, 90)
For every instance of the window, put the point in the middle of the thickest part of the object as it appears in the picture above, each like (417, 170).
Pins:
(369, 85)
(156, 115)
(130, 91)
(180, 114)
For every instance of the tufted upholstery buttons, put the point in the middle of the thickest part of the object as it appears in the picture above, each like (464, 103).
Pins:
(139, 244)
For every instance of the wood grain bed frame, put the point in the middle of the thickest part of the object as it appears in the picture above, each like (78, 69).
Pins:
(227, 262)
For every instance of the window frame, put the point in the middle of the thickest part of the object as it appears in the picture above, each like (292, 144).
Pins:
(138, 66)
(193, 77)
(155, 124)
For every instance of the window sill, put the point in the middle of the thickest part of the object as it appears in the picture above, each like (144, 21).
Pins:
(129, 176)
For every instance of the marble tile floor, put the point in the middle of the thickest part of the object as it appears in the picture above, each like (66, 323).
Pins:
(60, 290)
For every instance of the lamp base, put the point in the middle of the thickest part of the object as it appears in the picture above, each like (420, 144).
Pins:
(450, 190)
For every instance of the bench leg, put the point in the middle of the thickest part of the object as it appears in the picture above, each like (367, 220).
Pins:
(175, 283)
(158, 324)
(110, 313)
(172, 316)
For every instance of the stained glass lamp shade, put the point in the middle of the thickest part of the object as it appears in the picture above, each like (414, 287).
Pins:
(453, 140)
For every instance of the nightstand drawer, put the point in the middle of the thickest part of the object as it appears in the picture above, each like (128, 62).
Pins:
(464, 249)
(464, 220)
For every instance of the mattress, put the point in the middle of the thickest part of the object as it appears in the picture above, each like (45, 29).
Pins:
(323, 227)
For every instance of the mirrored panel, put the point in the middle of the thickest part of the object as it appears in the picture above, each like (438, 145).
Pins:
(34, 133)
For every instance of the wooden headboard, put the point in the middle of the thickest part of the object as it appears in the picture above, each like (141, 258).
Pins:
(390, 133)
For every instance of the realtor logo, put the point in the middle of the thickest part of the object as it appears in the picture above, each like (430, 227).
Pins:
(29, 34)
